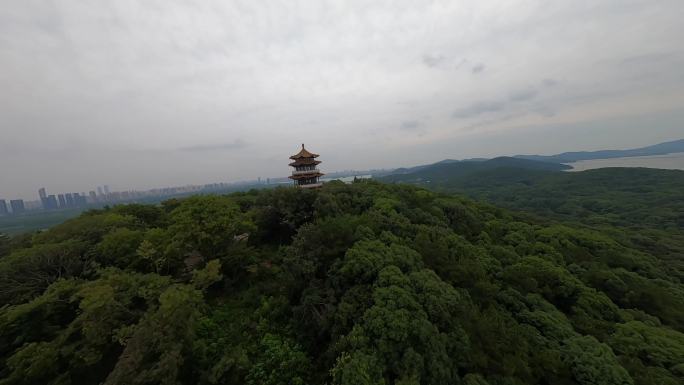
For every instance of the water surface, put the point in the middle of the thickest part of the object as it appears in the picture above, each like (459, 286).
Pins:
(670, 161)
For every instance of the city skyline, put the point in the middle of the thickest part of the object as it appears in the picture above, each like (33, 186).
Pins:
(101, 193)
(103, 190)
(105, 195)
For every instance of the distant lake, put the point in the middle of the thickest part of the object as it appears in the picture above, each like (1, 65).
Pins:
(348, 179)
(670, 161)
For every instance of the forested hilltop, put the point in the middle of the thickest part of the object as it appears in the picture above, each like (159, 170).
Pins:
(622, 196)
(367, 283)
(643, 207)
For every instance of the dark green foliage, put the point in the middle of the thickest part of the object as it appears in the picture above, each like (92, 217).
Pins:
(279, 362)
(77, 328)
(593, 363)
(90, 227)
(28, 272)
(157, 348)
(219, 351)
(633, 197)
(149, 215)
(206, 225)
(119, 247)
(32, 221)
(5, 244)
(350, 284)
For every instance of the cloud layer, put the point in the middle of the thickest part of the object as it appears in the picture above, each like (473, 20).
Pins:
(165, 92)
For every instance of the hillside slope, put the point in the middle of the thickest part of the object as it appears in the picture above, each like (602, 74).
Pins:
(352, 284)
(453, 169)
(632, 197)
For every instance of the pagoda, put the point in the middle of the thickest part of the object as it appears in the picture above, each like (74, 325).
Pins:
(306, 172)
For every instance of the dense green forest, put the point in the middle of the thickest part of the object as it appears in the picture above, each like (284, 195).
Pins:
(36, 220)
(367, 283)
(646, 204)
(33, 221)
(631, 197)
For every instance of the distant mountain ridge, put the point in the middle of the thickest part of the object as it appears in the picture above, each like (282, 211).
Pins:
(566, 157)
(569, 157)
(447, 169)
(620, 196)
(408, 170)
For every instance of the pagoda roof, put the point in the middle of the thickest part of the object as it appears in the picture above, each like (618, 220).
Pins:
(303, 153)
(305, 162)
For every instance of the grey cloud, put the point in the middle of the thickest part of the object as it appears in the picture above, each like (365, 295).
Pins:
(236, 145)
(517, 98)
(443, 61)
(478, 108)
(451, 63)
(545, 111)
(549, 82)
(523, 95)
(410, 125)
(651, 58)
(433, 61)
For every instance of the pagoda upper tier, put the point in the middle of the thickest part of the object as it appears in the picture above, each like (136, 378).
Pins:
(303, 153)
(305, 161)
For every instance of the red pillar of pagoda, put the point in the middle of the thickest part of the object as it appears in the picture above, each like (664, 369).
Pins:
(306, 173)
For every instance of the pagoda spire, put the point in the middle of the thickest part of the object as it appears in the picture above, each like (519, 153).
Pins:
(306, 173)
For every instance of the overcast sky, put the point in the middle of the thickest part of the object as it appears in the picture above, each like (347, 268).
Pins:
(142, 94)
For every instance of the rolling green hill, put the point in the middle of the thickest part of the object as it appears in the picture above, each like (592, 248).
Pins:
(447, 170)
(632, 197)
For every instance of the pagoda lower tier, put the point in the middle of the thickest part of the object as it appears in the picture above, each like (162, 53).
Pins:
(306, 179)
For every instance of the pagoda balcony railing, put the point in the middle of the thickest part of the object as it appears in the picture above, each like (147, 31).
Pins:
(302, 172)
(312, 185)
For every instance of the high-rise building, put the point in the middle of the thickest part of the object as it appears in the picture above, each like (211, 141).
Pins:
(106, 189)
(93, 196)
(17, 206)
(79, 200)
(51, 203)
(62, 201)
(69, 200)
(3, 207)
(99, 191)
(43, 198)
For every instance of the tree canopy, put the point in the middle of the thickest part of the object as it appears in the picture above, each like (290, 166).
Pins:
(363, 283)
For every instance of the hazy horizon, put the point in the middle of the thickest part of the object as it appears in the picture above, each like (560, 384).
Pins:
(143, 95)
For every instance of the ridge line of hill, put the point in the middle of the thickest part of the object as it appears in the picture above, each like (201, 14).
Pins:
(574, 156)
